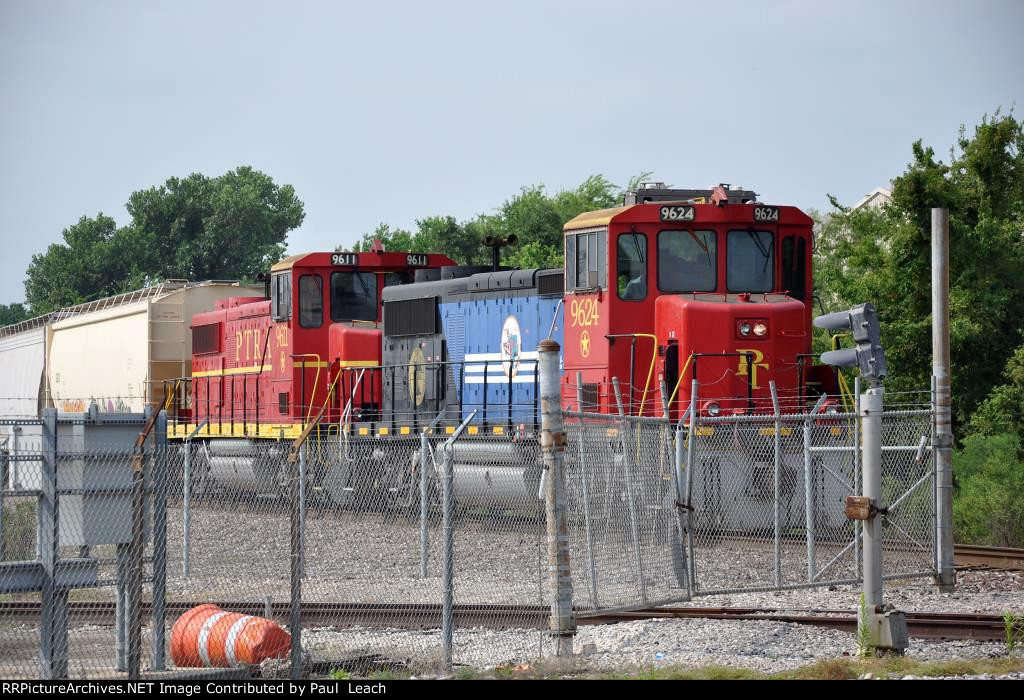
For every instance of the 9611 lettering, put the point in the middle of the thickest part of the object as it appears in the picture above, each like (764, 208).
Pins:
(344, 259)
(416, 260)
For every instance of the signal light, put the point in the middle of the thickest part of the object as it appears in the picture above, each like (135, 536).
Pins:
(868, 355)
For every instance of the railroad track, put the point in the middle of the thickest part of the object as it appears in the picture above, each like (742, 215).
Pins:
(420, 616)
(991, 557)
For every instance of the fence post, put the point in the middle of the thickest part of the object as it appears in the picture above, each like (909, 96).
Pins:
(53, 627)
(943, 399)
(809, 504)
(160, 470)
(295, 602)
(691, 466)
(447, 556)
(682, 506)
(133, 609)
(562, 621)
(585, 481)
(424, 505)
(777, 460)
(627, 470)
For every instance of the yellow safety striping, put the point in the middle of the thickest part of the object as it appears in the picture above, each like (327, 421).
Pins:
(705, 431)
(450, 430)
(404, 430)
(498, 430)
(232, 370)
(836, 432)
(364, 431)
(770, 432)
(382, 431)
(359, 363)
(473, 430)
(311, 365)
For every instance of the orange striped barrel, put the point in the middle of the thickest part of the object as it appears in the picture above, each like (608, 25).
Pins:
(208, 636)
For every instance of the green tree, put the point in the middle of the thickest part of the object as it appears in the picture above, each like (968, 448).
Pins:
(12, 313)
(988, 506)
(96, 259)
(885, 257)
(535, 217)
(228, 227)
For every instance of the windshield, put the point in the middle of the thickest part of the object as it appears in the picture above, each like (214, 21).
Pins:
(751, 261)
(353, 296)
(687, 261)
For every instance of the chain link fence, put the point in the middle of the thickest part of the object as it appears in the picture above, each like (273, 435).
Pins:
(421, 552)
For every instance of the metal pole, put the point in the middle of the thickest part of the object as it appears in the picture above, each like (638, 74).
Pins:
(186, 509)
(294, 495)
(562, 621)
(634, 523)
(777, 516)
(943, 399)
(585, 480)
(187, 498)
(448, 543)
(857, 524)
(691, 465)
(53, 629)
(159, 483)
(424, 465)
(138, 545)
(681, 507)
(302, 510)
(871, 415)
(809, 501)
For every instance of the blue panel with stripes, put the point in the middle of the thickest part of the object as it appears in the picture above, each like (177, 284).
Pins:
(493, 343)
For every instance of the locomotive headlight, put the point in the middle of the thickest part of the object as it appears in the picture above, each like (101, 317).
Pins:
(744, 328)
(760, 329)
(712, 408)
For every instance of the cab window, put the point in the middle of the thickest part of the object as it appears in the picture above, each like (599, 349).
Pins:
(631, 266)
(281, 296)
(751, 261)
(585, 260)
(687, 261)
(353, 296)
(311, 301)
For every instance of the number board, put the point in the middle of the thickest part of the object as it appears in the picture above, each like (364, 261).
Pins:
(344, 259)
(416, 260)
(674, 213)
(766, 214)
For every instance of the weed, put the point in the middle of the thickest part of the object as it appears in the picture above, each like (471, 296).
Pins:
(1014, 626)
(342, 675)
(864, 647)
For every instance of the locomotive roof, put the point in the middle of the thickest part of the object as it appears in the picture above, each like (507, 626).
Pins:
(648, 213)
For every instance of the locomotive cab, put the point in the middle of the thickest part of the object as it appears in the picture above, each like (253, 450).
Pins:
(262, 368)
(723, 282)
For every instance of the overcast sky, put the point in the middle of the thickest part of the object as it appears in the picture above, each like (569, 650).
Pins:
(396, 111)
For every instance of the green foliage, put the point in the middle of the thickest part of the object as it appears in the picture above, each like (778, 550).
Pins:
(533, 215)
(228, 227)
(341, 675)
(97, 259)
(12, 313)
(1013, 625)
(988, 505)
(864, 646)
(1003, 410)
(884, 257)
